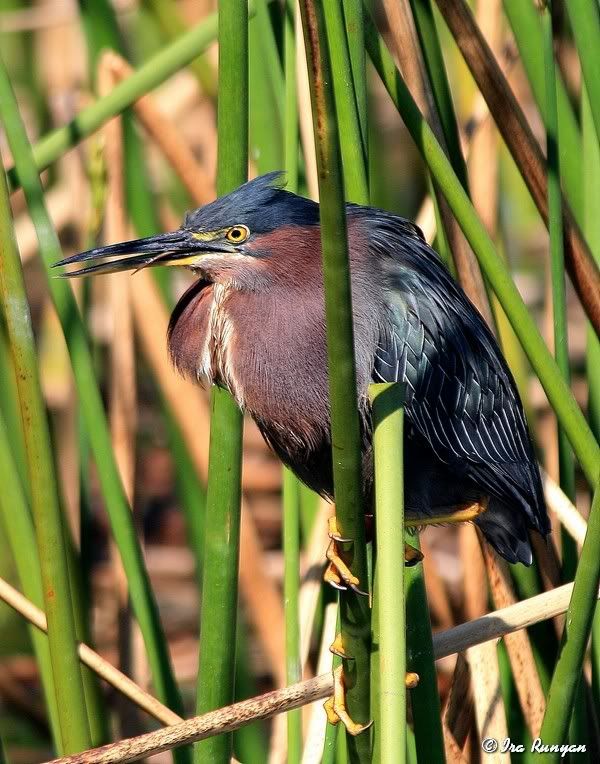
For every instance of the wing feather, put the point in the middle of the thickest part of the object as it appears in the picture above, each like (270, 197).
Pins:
(460, 394)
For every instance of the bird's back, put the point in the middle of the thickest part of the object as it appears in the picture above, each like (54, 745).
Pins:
(463, 409)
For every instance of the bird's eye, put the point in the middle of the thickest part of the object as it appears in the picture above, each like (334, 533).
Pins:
(238, 233)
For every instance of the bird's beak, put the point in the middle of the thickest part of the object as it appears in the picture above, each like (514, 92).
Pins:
(179, 247)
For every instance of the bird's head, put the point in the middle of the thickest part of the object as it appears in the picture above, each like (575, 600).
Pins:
(244, 225)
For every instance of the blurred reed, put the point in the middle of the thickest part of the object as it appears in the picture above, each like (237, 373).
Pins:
(93, 413)
(218, 613)
(45, 504)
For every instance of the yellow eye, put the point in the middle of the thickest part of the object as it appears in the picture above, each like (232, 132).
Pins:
(237, 234)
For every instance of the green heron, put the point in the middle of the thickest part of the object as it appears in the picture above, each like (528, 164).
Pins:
(254, 322)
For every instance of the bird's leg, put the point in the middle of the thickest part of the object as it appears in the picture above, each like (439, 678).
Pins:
(338, 574)
(463, 514)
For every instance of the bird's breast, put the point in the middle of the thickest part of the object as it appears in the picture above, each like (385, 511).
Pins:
(201, 336)
(216, 357)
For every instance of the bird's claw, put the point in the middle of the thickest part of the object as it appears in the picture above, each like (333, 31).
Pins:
(337, 648)
(337, 573)
(335, 707)
(411, 680)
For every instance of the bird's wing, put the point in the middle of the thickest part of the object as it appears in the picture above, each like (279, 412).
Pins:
(460, 395)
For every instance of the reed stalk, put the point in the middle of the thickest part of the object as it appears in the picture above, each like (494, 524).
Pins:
(584, 445)
(443, 118)
(557, 268)
(265, 82)
(576, 633)
(591, 185)
(526, 26)
(455, 640)
(290, 149)
(387, 402)
(330, 744)
(291, 591)
(17, 522)
(218, 614)
(425, 700)
(584, 16)
(354, 159)
(355, 616)
(291, 488)
(102, 35)
(9, 406)
(436, 72)
(173, 26)
(70, 698)
(355, 33)
(92, 410)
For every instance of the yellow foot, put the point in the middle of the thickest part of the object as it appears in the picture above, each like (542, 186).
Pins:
(411, 555)
(411, 679)
(338, 574)
(462, 514)
(335, 707)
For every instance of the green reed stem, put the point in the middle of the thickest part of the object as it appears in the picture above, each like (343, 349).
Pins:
(437, 80)
(346, 444)
(584, 445)
(584, 16)
(9, 407)
(270, 58)
(355, 32)
(291, 97)
(70, 698)
(330, 745)
(387, 401)
(354, 159)
(526, 26)
(424, 698)
(436, 72)
(376, 659)
(578, 624)
(218, 617)
(92, 410)
(248, 740)
(559, 313)
(174, 27)
(265, 82)
(591, 184)
(20, 532)
(557, 267)
(291, 484)
(291, 592)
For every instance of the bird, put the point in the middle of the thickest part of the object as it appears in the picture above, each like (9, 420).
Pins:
(253, 322)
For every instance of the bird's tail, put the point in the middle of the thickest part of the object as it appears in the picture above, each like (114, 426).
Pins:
(506, 529)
